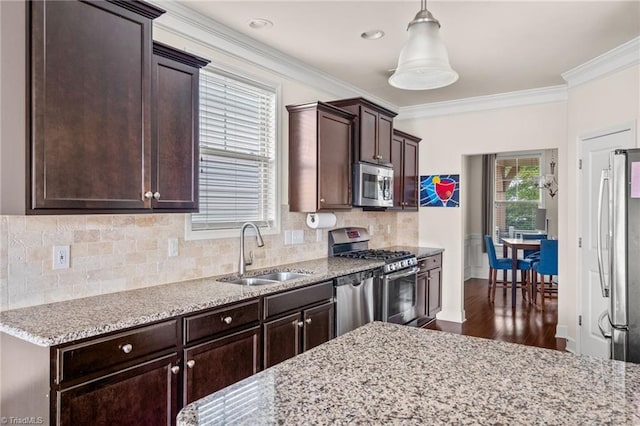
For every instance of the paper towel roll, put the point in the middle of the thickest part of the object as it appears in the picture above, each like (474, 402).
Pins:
(321, 220)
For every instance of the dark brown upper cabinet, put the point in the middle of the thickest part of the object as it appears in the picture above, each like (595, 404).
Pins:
(406, 178)
(174, 147)
(372, 130)
(112, 120)
(319, 157)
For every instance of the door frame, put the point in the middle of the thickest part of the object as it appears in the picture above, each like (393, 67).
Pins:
(632, 127)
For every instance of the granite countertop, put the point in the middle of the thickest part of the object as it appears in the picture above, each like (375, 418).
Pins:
(388, 374)
(62, 322)
(420, 252)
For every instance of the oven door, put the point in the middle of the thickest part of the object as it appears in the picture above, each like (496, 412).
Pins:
(400, 296)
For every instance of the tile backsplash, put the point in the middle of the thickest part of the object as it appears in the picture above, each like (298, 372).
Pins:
(112, 253)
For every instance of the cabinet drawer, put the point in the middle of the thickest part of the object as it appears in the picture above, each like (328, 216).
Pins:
(102, 353)
(213, 322)
(295, 299)
(430, 262)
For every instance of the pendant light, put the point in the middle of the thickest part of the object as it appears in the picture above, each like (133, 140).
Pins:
(423, 63)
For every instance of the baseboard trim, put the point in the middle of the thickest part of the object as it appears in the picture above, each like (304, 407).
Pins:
(562, 332)
(451, 316)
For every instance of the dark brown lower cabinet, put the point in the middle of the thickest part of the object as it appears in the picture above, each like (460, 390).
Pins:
(144, 394)
(429, 287)
(213, 365)
(288, 336)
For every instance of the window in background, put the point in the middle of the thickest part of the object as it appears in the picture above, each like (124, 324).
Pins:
(517, 196)
(238, 167)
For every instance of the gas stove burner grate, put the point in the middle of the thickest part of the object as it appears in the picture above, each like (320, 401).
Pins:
(386, 255)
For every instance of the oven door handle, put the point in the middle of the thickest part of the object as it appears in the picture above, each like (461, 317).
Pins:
(402, 274)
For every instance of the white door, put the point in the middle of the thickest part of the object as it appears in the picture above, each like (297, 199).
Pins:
(595, 151)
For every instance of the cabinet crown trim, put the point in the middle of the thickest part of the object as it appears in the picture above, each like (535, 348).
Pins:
(321, 106)
(402, 134)
(363, 102)
(140, 7)
(178, 55)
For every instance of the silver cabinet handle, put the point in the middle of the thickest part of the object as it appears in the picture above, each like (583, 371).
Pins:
(322, 200)
(299, 324)
(126, 348)
(227, 320)
(308, 320)
(604, 177)
(602, 316)
(156, 195)
(175, 369)
(148, 195)
(191, 363)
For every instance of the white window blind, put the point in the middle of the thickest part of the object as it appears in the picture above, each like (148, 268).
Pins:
(237, 152)
(516, 196)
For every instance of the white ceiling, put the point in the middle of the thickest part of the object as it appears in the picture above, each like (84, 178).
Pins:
(496, 47)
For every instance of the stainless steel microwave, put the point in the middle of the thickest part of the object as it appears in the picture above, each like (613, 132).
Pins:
(372, 185)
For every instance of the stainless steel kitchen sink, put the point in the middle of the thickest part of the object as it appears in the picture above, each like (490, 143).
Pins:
(270, 278)
(282, 276)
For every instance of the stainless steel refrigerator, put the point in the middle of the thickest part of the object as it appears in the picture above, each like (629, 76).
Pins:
(620, 194)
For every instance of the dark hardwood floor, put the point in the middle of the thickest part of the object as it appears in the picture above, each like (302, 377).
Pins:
(526, 324)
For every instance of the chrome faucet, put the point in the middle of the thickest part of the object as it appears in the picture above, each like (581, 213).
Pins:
(243, 263)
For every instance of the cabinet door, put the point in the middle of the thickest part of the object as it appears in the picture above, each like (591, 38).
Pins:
(90, 106)
(368, 135)
(282, 339)
(397, 148)
(435, 292)
(334, 165)
(410, 175)
(174, 151)
(214, 365)
(141, 395)
(318, 325)
(385, 132)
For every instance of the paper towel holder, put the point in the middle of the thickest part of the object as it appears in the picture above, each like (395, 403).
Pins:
(321, 220)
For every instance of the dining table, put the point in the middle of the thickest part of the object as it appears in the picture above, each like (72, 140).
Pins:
(516, 244)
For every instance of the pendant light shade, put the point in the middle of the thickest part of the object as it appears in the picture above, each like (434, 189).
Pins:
(424, 62)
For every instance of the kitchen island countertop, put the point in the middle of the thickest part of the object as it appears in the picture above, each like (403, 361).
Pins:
(388, 374)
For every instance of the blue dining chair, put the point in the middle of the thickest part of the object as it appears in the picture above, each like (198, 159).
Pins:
(532, 253)
(547, 265)
(496, 264)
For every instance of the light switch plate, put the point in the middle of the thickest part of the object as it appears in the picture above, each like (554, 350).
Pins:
(61, 255)
(287, 238)
(172, 247)
(318, 235)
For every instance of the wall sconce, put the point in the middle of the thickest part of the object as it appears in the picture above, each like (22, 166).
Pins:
(549, 181)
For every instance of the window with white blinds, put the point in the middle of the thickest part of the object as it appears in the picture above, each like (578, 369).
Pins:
(237, 152)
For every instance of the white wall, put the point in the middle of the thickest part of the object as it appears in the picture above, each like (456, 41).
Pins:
(601, 104)
(446, 140)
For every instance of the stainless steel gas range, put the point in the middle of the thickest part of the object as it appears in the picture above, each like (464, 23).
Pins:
(393, 294)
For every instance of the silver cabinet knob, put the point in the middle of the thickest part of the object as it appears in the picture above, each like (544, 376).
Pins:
(126, 348)
(227, 320)
(308, 320)
(191, 363)
(175, 369)
(156, 195)
(299, 324)
(148, 195)
(322, 200)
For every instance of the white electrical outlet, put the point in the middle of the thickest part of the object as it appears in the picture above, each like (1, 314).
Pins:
(287, 238)
(61, 257)
(388, 229)
(318, 235)
(172, 247)
(370, 229)
(297, 236)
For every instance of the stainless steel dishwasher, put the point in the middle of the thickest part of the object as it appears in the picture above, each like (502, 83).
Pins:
(355, 300)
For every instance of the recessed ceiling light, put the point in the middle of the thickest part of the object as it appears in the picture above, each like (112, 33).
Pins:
(260, 23)
(372, 35)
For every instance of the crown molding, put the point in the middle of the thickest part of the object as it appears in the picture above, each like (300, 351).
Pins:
(484, 103)
(186, 23)
(624, 56)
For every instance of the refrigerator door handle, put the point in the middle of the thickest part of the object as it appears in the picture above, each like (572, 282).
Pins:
(604, 178)
(605, 334)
